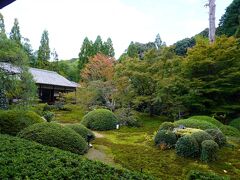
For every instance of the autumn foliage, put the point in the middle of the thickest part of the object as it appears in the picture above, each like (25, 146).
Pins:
(100, 67)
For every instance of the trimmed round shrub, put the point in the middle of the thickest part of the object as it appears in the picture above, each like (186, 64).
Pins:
(201, 136)
(166, 126)
(235, 123)
(100, 120)
(195, 123)
(209, 149)
(13, 121)
(207, 119)
(218, 136)
(196, 174)
(187, 146)
(230, 131)
(165, 137)
(55, 135)
(83, 131)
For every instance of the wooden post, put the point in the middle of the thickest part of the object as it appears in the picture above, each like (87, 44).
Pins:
(212, 25)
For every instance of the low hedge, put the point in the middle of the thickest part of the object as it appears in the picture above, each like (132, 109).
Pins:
(100, 119)
(165, 137)
(13, 121)
(82, 130)
(55, 135)
(218, 136)
(196, 174)
(235, 123)
(201, 136)
(209, 149)
(195, 123)
(22, 159)
(187, 146)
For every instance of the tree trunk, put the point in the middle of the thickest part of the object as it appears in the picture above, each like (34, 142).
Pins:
(212, 25)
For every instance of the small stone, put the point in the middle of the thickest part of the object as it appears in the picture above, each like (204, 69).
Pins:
(224, 171)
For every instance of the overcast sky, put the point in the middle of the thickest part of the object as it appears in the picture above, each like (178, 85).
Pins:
(69, 21)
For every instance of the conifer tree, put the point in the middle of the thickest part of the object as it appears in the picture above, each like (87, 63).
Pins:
(44, 49)
(2, 26)
(15, 34)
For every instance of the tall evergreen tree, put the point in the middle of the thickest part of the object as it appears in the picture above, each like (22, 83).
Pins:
(108, 49)
(15, 34)
(2, 26)
(98, 45)
(85, 53)
(158, 41)
(44, 49)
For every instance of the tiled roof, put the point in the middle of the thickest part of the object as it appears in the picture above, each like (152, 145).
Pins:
(41, 76)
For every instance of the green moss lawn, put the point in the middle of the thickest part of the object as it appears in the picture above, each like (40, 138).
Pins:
(133, 148)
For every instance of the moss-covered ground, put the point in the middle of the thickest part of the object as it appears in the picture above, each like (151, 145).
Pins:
(133, 148)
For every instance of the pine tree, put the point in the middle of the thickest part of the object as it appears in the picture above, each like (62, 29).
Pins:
(2, 26)
(44, 49)
(98, 45)
(108, 49)
(85, 53)
(158, 41)
(15, 34)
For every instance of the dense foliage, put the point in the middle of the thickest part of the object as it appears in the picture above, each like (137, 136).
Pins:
(165, 137)
(13, 121)
(187, 146)
(55, 135)
(166, 126)
(86, 133)
(209, 150)
(22, 159)
(195, 123)
(100, 119)
(230, 22)
(217, 136)
(201, 136)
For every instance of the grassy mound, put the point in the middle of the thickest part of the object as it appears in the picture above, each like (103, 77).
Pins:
(13, 121)
(100, 119)
(82, 130)
(22, 159)
(195, 123)
(207, 119)
(55, 135)
(235, 123)
(230, 131)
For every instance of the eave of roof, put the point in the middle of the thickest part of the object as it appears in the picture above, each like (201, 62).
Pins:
(4, 3)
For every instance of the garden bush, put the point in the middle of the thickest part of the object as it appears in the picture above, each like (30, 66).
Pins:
(230, 131)
(209, 149)
(235, 123)
(100, 119)
(165, 137)
(127, 118)
(200, 175)
(187, 146)
(22, 159)
(48, 115)
(207, 119)
(195, 123)
(82, 130)
(201, 136)
(218, 136)
(55, 135)
(13, 121)
(166, 126)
